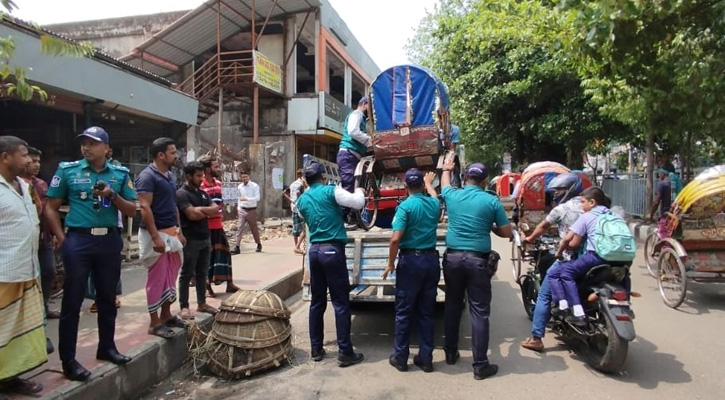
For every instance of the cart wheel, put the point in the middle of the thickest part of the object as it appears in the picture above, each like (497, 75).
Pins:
(369, 213)
(651, 253)
(516, 259)
(672, 277)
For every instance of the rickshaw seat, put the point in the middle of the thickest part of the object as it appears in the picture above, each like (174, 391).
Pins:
(610, 272)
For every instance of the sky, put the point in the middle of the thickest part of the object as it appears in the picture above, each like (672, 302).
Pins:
(383, 27)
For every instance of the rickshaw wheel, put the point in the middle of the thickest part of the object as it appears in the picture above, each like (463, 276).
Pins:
(517, 256)
(651, 253)
(672, 277)
(366, 218)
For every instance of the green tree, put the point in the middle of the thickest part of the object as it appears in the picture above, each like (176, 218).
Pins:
(657, 66)
(13, 79)
(509, 88)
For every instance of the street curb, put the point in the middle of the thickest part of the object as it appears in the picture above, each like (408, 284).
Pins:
(640, 230)
(153, 361)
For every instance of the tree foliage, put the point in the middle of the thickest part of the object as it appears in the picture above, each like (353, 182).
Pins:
(13, 79)
(510, 88)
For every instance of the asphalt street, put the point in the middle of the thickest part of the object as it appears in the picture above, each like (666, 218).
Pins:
(677, 355)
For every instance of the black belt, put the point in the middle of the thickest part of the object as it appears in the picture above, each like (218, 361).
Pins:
(470, 253)
(99, 231)
(417, 252)
(249, 208)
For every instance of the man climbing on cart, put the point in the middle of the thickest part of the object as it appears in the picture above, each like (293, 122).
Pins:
(354, 145)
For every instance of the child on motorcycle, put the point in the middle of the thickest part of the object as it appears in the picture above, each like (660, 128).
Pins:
(563, 279)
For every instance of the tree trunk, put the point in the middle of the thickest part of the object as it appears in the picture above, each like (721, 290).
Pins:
(649, 172)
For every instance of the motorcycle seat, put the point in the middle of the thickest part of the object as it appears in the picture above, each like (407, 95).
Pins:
(611, 272)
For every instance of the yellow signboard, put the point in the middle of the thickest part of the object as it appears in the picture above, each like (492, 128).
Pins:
(267, 73)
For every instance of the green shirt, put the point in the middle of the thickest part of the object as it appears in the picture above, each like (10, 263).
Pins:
(471, 215)
(74, 181)
(348, 142)
(322, 214)
(417, 217)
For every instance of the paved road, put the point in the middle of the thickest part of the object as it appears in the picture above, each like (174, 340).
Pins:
(677, 355)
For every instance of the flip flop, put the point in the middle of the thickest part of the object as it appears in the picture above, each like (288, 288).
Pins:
(186, 314)
(23, 386)
(175, 322)
(207, 309)
(162, 331)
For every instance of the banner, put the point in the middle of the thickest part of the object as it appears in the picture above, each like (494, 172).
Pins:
(267, 73)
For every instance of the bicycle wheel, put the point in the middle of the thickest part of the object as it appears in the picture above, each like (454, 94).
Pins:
(652, 253)
(673, 278)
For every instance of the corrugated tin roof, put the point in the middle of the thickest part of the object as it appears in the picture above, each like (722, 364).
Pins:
(196, 32)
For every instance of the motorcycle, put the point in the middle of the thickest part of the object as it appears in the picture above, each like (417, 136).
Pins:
(604, 341)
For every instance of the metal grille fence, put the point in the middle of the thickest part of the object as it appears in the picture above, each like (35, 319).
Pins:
(629, 194)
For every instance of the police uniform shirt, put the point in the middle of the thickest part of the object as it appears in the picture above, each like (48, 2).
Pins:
(417, 217)
(74, 181)
(322, 214)
(471, 214)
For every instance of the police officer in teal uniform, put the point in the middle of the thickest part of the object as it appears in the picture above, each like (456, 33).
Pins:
(95, 191)
(320, 208)
(469, 263)
(418, 272)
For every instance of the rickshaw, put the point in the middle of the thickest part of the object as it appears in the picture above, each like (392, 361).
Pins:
(692, 246)
(505, 183)
(409, 121)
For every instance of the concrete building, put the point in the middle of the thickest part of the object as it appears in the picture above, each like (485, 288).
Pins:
(133, 105)
(275, 79)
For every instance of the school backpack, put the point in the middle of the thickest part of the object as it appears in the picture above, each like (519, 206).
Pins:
(613, 241)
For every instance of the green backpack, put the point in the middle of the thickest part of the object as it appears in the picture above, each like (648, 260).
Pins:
(613, 240)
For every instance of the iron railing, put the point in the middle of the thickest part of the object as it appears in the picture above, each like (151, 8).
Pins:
(628, 194)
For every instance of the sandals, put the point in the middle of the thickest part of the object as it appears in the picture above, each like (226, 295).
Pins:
(186, 314)
(533, 344)
(162, 331)
(231, 287)
(207, 309)
(209, 291)
(22, 386)
(175, 322)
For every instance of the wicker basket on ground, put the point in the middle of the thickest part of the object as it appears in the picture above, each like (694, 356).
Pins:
(251, 333)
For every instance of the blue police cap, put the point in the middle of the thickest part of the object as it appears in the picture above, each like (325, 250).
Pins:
(476, 170)
(413, 177)
(313, 169)
(96, 133)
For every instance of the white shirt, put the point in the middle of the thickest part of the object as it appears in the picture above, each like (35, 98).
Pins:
(294, 189)
(250, 191)
(353, 128)
(564, 215)
(19, 234)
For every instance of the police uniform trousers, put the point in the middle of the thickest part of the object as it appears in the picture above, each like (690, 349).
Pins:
(328, 269)
(467, 273)
(83, 253)
(416, 286)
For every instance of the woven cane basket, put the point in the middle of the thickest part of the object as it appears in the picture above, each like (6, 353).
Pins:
(231, 317)
(257, 302)
(233, 362)
(255, 335)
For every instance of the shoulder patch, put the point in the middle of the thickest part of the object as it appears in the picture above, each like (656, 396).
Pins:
(68, 164)
(55, 182)
(119, 168)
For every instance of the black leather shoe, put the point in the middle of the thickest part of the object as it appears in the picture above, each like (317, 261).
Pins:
(259, 247)
(349, 359)
(397, 364)
(49, 346)
(484, 372)
(452, 358)
(75, 371)
(236, 251)
(425, 367)
(318, 355)
(113, 356)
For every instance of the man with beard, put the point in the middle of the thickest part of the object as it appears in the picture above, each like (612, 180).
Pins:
(95, 191)
(160, 239)
(194, 207)
(220, 266)
(22, 337)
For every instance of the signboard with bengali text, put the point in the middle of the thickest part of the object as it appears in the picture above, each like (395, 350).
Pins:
(267, 73)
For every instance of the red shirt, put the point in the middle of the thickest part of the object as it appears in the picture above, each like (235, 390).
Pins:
(214, 190)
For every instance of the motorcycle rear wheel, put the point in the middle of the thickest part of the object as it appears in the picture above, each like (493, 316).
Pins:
(529, 294)
(610, 353)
